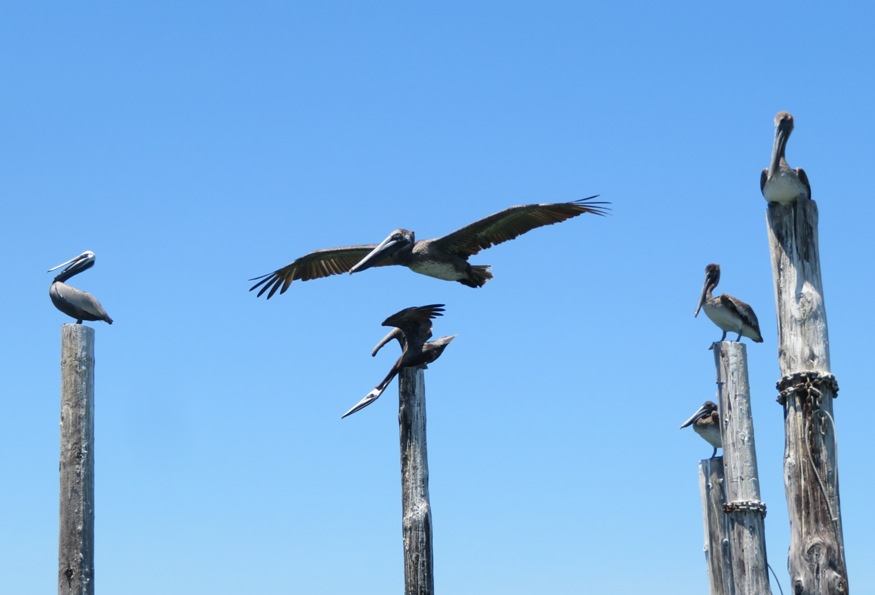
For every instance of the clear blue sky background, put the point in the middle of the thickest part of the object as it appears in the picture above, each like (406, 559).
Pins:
(194, 145)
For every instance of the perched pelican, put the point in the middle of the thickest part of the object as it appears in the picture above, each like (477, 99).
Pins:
(413, 331)
(727, 312)
(444, 258)
(75, 302)
(778, 182)
(706, 423)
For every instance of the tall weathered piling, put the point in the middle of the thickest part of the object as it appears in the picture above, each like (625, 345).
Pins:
(416, 508)
(717, 554)
(744, 509)
(76, 527)
(806, 390)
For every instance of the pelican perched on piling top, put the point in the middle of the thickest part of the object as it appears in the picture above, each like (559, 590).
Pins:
(74, 302)
(413, 331)
(778, 182)
(443, 258)
(706, 423)
(727, 312)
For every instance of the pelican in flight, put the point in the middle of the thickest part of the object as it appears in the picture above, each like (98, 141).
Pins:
(779, 183)
(413, 331)
(706, 423)
(74, 302)
(443, 258)
(727, 312)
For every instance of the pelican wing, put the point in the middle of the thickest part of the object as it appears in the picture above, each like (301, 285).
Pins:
(515, 221)
(77, 303)
(744, 312)
(415, 323)
(803, 177)
(395, 333)
(318, 264)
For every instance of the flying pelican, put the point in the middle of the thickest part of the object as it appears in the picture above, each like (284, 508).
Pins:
(727, 312)
(74, 302)
(413, 331)
(443, 258)
(778, 182)
(706, 423)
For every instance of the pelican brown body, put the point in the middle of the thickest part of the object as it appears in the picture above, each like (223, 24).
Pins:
(706, 423)
(413, 331)
(443, 258)
(727, 312)
(779, 182)
(73, 302)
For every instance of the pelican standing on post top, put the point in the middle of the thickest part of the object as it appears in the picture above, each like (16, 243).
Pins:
(727, 312)
(706, 423)
(413, 331)
(778, 182)
(74, 302)
(443, 258)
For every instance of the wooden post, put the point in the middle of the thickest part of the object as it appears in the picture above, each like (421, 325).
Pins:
(745, 511)
(717, 554)
(416, 509)
(76, 527)
(806, 390)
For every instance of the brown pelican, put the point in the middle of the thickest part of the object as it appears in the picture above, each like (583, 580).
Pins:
(778, 182)
(706, 423)
(413, 331)
(727, 312)
(444, 258)
(75, 302)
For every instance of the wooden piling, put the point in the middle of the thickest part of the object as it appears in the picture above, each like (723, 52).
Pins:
(416, 508)
(745, 511)
(806, 390)
(717, 554)
(76, 526)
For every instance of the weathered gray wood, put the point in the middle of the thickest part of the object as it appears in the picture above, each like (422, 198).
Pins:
(416, 508)
(745, 511)
(817, 559)
(717, 554)
(76, 527)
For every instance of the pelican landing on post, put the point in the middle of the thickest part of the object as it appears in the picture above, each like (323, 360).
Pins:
(706, 423)
(727, 312)
(74, 302)
(413, 331)
(778, 182)
(443, 258)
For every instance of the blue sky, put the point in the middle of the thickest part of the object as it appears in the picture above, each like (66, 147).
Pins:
(194, 146)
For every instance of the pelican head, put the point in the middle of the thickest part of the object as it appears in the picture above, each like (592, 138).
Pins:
(712, 278)
(80, 263)
(398, 240)
(783, 128)
(704, 411)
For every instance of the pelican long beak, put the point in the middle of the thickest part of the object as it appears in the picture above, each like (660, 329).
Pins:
(384, 249)
(369, 398)
(86, 257)
(74, 259)
(699, 413)
(782, 135)
(701, 298)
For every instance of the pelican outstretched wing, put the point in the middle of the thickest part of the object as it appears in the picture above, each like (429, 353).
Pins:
(318, 264)
(513, 222)
(415, 323)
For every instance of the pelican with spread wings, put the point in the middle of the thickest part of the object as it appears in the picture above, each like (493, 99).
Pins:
(443, 258)
(413, 331)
